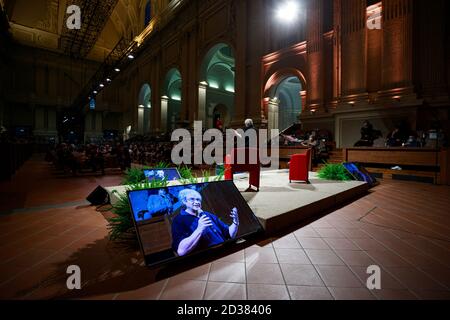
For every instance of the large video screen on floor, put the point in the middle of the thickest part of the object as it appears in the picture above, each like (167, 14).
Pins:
(167, 174)
(179, 221)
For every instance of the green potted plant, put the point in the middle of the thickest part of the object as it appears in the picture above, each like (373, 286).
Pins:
(335, 172)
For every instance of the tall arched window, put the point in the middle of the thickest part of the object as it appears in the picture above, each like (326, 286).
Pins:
(148, 12)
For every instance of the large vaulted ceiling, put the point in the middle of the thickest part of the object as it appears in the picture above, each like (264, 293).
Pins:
(42, 24)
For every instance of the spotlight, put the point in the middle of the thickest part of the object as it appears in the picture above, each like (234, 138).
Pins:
(108, 80)
(288, 11)
(95, 92)
(102, 85)
(130, 56)
(117, 70)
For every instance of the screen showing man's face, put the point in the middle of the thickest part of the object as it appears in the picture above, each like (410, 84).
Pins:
(193, 202)
(179, 221)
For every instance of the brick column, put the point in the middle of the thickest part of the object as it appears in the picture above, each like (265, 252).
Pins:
(337, 50)
(429, 50)
(397, 56)
(353, 50)
(314, 48)
(239, 11)
(255, 48)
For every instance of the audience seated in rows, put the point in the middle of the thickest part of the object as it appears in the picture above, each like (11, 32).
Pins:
(91, 157)
(150, 151)
(401, 136)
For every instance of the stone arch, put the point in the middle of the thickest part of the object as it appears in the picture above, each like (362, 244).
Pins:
(280, 75)
(284, 98)
(217, 81)
(171, 100)
(208, 52)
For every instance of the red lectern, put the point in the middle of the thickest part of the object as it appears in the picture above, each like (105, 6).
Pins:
(249, 164)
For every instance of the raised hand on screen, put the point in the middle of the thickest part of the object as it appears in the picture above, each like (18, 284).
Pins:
(234, 215)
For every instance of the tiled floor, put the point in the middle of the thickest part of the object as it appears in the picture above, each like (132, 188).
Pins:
(402, 227)
(37, 184)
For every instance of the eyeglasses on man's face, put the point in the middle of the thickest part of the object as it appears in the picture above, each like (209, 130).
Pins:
(194, 199)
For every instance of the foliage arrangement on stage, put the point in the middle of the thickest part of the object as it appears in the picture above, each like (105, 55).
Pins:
(121, 227)
(334, 172)
(133, 176)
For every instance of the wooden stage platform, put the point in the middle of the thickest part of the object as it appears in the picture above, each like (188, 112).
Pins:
(280, 204)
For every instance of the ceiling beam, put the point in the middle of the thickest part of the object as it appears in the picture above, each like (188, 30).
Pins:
(94, 16)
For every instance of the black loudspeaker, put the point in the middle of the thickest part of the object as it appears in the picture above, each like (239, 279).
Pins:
(98, 197)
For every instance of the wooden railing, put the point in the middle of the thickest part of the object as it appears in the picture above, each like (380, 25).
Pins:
(425, 162)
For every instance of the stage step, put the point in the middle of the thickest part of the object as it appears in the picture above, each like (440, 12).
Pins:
(335, 156)
(334, 160)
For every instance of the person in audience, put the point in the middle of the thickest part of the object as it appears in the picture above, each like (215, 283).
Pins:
(78, 158)
(122, 155)
(395, 138)
(219, 124)
(412, 142)
(312, 140)
(399, 135)
(290, 140)
(160, 204)
(97, 158)
(317, 146)
(368, 135)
